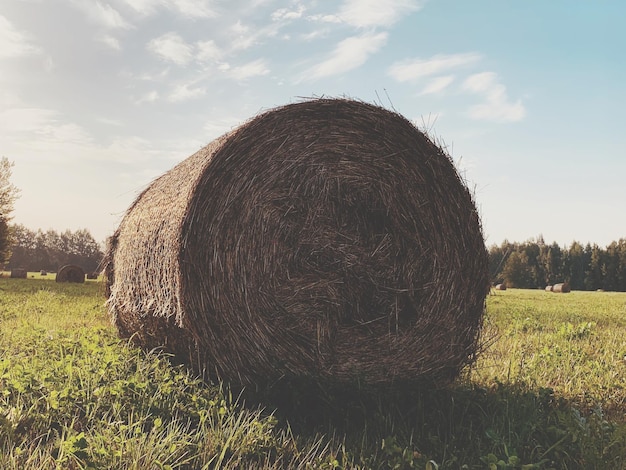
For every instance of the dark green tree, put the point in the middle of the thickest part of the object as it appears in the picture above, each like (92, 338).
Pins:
(575, 266)
(8, 195)
(516, 272)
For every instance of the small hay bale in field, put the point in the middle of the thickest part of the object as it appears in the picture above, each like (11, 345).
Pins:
(562, 287)
(549, 288)
(501, 286)
(19, 273)
(326, 240)
(70, 273)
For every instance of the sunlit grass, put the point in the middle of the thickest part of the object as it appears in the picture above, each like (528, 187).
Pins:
(548, 391)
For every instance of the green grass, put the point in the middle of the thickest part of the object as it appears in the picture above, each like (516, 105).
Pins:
(548, 391)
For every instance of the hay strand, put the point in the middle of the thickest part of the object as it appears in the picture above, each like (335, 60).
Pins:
(328, 239)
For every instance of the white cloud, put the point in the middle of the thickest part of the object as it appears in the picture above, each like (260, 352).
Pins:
(437, 85)
(149, 97)
(14, 43)
(414, 69)
(143, 7)
(283, 14)
(369, 13)
(255, 68)
(497, 106)
(186, 92)
(208, 51)
(325, 18)
(44, 127)
(349, 54)
(172, 47)
(110, 41)
(17, 120)
(102, 14)
(192, 8)
(189, 8)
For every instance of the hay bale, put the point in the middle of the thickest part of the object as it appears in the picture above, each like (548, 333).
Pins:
(19, 273)
(562, 287)
(327, 240)
(549, 288)
(501, 286)
(70, 273)
(92, 276)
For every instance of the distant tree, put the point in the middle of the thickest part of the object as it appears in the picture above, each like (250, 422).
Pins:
(50, 250)
(516, 271)
(8, 195)
(574, 266)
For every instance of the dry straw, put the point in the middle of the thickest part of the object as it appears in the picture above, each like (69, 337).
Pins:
(562, 288)
(327, 240)
(19, 273)
(70, 273)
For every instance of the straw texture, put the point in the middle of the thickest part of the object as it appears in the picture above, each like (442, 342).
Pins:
(328, 239)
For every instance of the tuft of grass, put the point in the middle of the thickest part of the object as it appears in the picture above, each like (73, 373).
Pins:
(548, 392)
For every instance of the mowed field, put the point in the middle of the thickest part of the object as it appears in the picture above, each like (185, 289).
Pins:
(548, 391)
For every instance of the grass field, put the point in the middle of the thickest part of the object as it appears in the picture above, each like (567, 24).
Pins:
(548, 391)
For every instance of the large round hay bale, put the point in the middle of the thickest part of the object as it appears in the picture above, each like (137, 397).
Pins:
(501, 286)
(19, 273)
(562, 288)
(327, 240)
(70, 273)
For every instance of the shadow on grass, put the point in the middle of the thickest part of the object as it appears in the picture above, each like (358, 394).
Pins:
(507, 425)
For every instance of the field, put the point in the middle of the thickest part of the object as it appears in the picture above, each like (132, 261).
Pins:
(548, 391)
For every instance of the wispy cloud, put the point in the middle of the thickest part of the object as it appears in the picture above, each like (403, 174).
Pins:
(437, 85)
(186, 92)
(497, 106)
(21, 119)
(173, 48)
(110, 41)
(208, 51)
(288, 14)
(415, 69)
(256, 68)
(102, 14)
(149, 97)
(14, 43)
(371, 13)
(188, 8)
(349, 54)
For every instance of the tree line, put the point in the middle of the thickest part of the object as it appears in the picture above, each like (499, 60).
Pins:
(535, 264)
(48, 251)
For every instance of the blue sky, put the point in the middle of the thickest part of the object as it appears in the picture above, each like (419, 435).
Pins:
(98, 97)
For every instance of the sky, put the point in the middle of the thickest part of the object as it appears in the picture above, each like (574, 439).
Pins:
(99, 97)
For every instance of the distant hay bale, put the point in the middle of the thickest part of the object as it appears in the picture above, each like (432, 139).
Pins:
(92, 276)
(501, 286)
(549, 288)
(562, 287)
(326, 240)
(19, 273)
(70, 273)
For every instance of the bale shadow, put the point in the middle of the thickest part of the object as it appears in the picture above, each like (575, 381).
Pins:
(455, 425)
